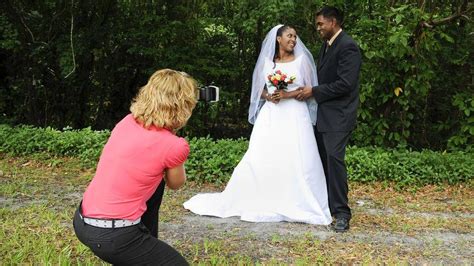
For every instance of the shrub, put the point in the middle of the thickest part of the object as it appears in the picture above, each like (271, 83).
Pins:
(24, 140)
(213, 161)
(409, 167)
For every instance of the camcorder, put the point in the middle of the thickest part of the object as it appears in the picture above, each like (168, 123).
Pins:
(208, 94)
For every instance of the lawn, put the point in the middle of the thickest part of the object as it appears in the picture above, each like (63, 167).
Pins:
(430, 224)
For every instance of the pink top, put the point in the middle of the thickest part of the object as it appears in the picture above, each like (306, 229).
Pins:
(130, 169)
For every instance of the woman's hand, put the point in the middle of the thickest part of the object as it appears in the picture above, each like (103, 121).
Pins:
(272, 98)
(282, 94)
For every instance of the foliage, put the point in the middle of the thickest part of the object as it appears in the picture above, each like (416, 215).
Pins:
(24, 140)
(465, 136)
(212, 161)
(407, 168)
(79, 63)
(411, 71)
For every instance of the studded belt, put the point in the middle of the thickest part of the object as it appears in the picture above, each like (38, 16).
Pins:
(103, 223)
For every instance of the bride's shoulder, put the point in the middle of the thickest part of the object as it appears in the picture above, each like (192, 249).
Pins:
(267, 62)
(300, 57)
(304, 60)
(298, 60)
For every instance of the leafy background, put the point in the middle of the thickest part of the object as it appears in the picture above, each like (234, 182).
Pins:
(77, 64)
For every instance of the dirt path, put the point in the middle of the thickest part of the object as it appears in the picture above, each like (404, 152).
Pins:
(261, 240)
(429, 226)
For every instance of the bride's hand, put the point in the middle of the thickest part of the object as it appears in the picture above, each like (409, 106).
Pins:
(283, 94)
(275, 97)
(280, 94)
(272, 98)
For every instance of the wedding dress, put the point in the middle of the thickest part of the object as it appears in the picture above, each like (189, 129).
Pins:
(280, 177)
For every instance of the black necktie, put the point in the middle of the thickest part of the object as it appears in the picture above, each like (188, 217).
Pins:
(325, 50)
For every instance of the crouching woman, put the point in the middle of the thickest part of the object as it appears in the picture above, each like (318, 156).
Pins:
(118, 216)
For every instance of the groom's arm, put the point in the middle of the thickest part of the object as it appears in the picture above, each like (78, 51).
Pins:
(348, 67)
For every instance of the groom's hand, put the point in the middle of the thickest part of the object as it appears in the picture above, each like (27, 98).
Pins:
(305, 93)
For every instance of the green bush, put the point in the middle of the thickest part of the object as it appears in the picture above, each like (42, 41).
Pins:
(213, 161)
(24, 140)
(409, 167)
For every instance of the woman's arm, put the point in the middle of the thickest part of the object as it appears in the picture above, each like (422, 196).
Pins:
(175, 177)
(265, 95)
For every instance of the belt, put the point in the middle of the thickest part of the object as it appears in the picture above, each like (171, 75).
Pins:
(109, 223)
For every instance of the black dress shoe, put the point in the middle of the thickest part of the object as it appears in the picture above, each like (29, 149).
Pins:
(341, 225)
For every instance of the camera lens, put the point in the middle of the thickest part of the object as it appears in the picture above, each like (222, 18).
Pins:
(208, 94)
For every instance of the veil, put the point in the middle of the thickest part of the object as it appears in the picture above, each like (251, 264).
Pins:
(258, 78)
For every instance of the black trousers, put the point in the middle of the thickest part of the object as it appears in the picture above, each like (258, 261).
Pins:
(133, 245)
(150, 216)
(332, 149)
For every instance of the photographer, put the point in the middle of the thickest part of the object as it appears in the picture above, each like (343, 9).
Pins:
(118, 216)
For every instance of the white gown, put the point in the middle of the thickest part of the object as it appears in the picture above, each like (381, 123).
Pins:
(280, 177)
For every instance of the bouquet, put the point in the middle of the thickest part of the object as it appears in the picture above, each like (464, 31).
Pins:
(279, 80)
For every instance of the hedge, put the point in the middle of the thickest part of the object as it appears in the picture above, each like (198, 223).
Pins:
(212, 161)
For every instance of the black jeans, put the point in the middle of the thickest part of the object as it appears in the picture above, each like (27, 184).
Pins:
(133, 245)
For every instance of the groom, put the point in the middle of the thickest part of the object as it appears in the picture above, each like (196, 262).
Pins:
(338, 97)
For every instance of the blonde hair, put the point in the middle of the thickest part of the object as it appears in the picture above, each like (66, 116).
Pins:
(166, 101)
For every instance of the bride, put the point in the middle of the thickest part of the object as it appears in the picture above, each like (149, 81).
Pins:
(280, 177)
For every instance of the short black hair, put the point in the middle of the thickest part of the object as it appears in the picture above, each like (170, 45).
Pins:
(332, 12)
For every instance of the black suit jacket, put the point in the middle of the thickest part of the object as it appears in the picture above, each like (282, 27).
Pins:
(338, 91)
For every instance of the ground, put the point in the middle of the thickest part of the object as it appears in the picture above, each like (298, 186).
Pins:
(431, 224)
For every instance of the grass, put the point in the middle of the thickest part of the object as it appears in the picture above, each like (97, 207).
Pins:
(38, 196)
